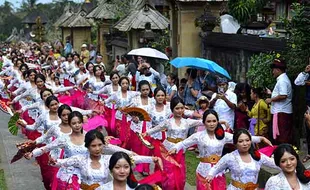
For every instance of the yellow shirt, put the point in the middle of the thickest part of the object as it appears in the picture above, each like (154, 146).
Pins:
(85, 56)
(264, 113)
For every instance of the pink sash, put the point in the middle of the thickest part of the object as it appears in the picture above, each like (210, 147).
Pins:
(54, 183)
(122, 128)
(113, 112)
(275, 127)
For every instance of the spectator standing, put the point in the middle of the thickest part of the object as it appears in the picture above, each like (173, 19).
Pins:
(146, 72)
(131, 66)
(191, 89)
(84, 54)
(92, 53)
(68, 48)
(99, 62)
(224, 102)
(243, 93)
(281, 104)
(303, 79)
(119, 66)
(259, 112)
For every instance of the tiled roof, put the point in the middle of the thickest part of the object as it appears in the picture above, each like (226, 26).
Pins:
(138, 18)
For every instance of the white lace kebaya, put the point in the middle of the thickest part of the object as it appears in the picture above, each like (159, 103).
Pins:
(207, 147)
(279, 182)
(90, 175)
(241, 171)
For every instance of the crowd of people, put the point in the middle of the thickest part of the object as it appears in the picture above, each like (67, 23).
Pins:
(73, 110)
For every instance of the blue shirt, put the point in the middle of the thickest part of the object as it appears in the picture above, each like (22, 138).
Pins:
(189, 99)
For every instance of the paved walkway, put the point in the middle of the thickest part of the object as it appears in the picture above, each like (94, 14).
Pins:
(23, 174)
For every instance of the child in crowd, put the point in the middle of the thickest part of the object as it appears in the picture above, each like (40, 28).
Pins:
(172, 89)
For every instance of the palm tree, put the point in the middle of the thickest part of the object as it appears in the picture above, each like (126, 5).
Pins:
(28, 5)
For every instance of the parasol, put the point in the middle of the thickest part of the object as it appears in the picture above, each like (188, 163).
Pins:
(201, 64)
(148, 52)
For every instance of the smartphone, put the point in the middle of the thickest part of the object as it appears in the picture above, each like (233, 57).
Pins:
(221, 90)
(117, 57)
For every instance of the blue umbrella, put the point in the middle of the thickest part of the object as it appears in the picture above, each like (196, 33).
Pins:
(199, 63)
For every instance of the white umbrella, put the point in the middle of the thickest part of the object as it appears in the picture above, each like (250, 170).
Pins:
(148, 52)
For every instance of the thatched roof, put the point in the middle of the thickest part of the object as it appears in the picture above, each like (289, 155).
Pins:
(77, 20)
(102, 12)
(138, 18)
(67, 14)
(33, 15)
(200, 0)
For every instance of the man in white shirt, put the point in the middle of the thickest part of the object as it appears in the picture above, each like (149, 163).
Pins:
(303, 79)
(281, 104)
(224, 102)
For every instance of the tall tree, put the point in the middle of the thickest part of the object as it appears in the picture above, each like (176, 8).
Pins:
(28, 5)
(8, 20)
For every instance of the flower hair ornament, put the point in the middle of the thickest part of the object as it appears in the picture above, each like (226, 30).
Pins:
(307, 173)
(296, 149)
(132, 161)
(219, 131)
(156, 187)
(257, 154)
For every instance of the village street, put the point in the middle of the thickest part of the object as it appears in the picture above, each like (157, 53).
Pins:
(23, 174)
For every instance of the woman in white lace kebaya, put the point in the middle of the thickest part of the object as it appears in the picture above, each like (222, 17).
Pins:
(244, 163)
(43, 123)
(145, 102)
(120, 166)
(177, 130)
(55, 132)
(94, 165)
(72, 144)
(159, 113)
(122, 99)
(293, 176)
(210, 143)
(68, 68)
(93, 101)
(110, 108)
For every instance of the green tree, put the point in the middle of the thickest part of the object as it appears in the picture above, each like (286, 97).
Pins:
(243, 10)
(8, 20)
(297, 52)
(28, 5)
(298, 48)
(260, 71)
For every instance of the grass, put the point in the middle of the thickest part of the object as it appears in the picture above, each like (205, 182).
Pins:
(2, 179)
(191, 164)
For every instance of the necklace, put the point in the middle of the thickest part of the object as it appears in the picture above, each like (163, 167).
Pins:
(294, 187)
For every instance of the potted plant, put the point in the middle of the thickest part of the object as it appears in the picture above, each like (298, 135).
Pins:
(206, 21)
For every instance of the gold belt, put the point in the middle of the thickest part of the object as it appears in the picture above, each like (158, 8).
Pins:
(212, 159)
(89, 187)
(174, 140)
(244, 186)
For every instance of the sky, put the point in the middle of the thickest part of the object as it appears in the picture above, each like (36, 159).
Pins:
(17, 3)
